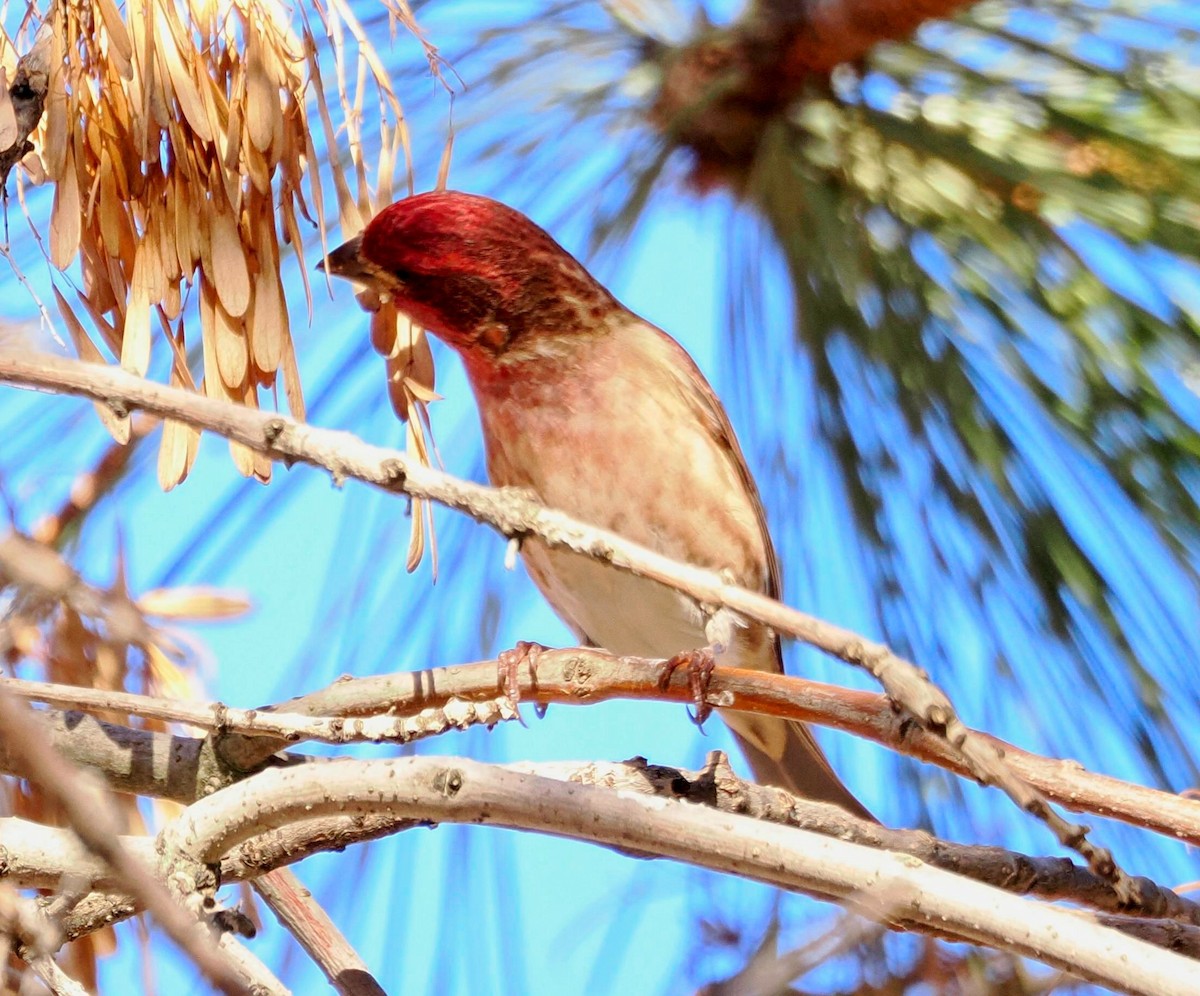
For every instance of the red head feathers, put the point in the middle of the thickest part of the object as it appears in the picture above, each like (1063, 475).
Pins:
(473, 271)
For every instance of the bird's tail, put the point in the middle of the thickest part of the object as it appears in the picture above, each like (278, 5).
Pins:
(785, 754)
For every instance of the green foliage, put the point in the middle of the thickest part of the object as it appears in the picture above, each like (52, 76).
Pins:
(991, 232)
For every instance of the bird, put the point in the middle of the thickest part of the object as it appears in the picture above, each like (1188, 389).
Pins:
(606, 417)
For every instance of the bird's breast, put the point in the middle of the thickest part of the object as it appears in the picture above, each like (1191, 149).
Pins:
(609, 436)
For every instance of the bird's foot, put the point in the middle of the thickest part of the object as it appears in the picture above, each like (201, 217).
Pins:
(508, 669)
(699, 664)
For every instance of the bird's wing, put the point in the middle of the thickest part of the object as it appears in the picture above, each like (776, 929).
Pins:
(711, 413)
(780, 752)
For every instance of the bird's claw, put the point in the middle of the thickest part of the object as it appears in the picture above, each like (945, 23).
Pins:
(699, 664)
(508, 669)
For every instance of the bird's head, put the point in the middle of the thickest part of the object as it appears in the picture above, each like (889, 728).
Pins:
(475, 272)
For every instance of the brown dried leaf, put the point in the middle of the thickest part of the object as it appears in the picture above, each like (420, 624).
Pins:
(263, 466)
(366, 51)
(251, 463)
(416, 538)
(229, 272)
(256, 167)
(118, 426)
(194, 602)
(148, 268)
(187, 240)
(291, 382)
(187, 93)
(267, 321)
(421, 392)
(262, 99)
(120, 46)
(247, 462)
(397, 392)
(168, 259)
(243, 458)
(237, 121)
(384, 339)
(65, 219)
(107, 332)
(172, 301)
(31, 162)
(123, 157)
(422, 514)
(135, 335)
(113, 219)
(54, 145)
(179, 357)
(229, 335)
(180, 442)
(420, 357)
(443, 176)
(8, 53)
(351, 219)
(176, 453)
(214, 386)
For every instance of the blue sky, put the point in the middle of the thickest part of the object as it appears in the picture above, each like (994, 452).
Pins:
(471, 910)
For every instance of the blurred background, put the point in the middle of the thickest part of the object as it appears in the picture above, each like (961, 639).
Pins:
(943, 275)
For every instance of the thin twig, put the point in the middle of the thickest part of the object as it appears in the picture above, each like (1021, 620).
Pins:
(412, 703)
(308, 922)
(262, 980)
(269, 730)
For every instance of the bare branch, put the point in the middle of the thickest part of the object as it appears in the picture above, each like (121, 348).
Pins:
(517, 515)
(584, 675)
(407, 704)
(269, 730)
(893, 887)
(262, 980)
(139, 762)
(304, 917)
(41, 856)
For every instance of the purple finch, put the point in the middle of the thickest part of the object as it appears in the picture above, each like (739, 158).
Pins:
(603, 416)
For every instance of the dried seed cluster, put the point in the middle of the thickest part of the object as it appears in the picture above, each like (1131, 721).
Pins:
(179, 140)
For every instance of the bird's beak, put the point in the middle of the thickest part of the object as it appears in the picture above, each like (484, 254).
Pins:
(345, 261)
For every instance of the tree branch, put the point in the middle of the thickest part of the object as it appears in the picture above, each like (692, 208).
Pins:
(138, 762)
(42, 857)
(584, 675)
(881, 885)
(410, 704)
(517, 515)
(308, 922)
